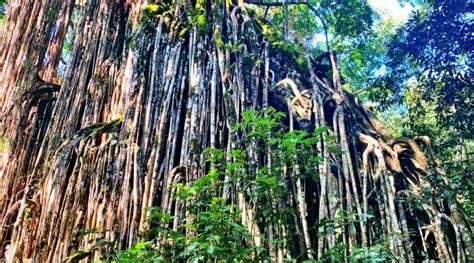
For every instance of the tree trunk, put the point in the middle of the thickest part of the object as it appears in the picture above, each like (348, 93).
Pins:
(145, 92)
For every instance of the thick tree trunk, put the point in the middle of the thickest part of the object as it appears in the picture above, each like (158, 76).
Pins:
(144, 94)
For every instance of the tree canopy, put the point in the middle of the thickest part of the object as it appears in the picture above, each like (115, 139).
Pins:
(431, 60)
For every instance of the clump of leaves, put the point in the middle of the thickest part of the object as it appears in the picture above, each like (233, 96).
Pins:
(198, 17)
(2, 10)
(154, 9)
(218, 234)
(276, 39)
(94, 244)
(152, 12)
(379, 252)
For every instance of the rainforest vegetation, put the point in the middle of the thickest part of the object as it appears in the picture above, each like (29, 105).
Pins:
(236, 131)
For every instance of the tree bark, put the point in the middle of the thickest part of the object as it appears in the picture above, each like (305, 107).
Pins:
(143, 96)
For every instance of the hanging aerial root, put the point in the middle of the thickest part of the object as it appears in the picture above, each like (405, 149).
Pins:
(373, 146)
(418, 158)
(175, 176)
(90, 132)
(301, 103)
(239, 10)
(248, 220)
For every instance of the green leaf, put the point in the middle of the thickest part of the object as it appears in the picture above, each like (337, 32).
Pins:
(189, 250)
(270, 181)
(211, 249)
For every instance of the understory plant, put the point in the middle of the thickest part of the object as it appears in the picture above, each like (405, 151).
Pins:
(211, 227)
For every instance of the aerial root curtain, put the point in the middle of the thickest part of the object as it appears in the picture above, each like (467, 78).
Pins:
(142, 96)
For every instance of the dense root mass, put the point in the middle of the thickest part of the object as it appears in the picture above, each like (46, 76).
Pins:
(146, 89)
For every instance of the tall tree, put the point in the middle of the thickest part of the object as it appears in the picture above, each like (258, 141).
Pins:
(147, 88)
(428, 75)
(434, 52)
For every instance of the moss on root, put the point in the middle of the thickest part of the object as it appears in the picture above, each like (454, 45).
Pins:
(4, 145)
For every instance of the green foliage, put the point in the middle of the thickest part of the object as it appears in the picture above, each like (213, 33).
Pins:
(215, 232)
(197, 17)
(452, 152)
(346, 18)
(3, 4)
(420, 74)
(4, 145)
(95, 244)
(434, 50)
(217, 37)
(269, 184)
(379, 252)
(363, 58)
(152, 10)
(349, 25)
(218, 235)
(151, 13)
(274, 36)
